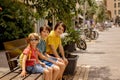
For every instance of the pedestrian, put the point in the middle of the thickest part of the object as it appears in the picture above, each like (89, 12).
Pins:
(44, 31)
(53, 43)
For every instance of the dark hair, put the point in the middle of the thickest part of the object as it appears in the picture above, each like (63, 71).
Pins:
(44, 27)
(60, 24)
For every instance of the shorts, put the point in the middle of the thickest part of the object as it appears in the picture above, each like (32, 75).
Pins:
(49, 63)
(53, 58)
(37, 68)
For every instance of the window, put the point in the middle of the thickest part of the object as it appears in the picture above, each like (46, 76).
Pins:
(115, 12)
(118, 11)
(114, 5)
(119, 4)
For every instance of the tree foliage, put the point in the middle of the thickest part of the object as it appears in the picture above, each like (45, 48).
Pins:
(16, 20)
(61, 9)
(101, 14)
(91, 8)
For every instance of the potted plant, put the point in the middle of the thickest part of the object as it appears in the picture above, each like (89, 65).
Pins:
(68, 42)
(69, 39)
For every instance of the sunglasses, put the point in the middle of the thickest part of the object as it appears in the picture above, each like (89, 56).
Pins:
(33, 39)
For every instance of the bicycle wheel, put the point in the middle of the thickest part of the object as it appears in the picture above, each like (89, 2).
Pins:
(94, 35)
(88, 34)
(81, 44)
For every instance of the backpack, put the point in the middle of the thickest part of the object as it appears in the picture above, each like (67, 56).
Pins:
(21, 58)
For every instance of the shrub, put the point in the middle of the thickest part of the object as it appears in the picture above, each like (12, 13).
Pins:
(16, 21)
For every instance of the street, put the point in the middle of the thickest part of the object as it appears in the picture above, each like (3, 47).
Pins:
(103, 52)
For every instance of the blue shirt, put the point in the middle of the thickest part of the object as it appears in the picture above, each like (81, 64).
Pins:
(42, 46)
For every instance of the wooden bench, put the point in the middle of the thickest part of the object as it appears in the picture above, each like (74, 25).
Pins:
(13, 50)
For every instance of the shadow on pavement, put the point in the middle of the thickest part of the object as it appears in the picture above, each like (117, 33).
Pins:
(82, 52)
(100, 73)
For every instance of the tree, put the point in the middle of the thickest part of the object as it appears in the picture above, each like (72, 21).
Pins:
(90, 8)
(16, 20)
(101, 10)
(55, 9)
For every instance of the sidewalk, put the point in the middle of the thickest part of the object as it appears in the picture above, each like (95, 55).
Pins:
(103, 56)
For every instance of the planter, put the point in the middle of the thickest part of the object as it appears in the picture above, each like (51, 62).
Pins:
(70, 47)
(71, 67)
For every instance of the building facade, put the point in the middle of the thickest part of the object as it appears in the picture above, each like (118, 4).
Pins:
(113, 6)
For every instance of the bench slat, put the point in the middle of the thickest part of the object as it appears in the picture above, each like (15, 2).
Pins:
(40, 78)
(33, 77)
(18, 70)
(15, 75)
(18, 77)
(9, 76)
(8, 72)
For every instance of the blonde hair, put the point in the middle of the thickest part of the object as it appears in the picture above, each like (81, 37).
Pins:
(32, 34)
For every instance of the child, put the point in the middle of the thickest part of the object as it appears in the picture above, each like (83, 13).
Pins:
(34, 65)
(53, 42)
(44, 31)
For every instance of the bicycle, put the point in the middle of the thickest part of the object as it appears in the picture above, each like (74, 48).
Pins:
(91, 34)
